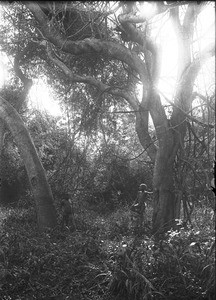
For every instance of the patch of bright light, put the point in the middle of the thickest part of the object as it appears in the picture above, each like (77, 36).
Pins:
(41, 98)
(2, 75)
(3, 70)
(166, 40)
(205, 30)
(168, 45)
(147, 9)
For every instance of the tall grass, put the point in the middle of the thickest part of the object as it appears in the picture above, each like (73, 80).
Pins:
(104, 259)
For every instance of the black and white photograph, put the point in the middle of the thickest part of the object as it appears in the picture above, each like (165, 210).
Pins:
(107, 150)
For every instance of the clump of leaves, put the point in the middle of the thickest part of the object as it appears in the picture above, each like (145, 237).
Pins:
(184, 262)
(53, 264)
(118, 224)
(130, 276)
(88, 264)
(181, 266)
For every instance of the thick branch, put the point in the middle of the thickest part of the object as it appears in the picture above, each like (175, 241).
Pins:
(184, 97)
(186, 114)
(184, 35)
(143, 134)
(150, 101)
(174, 14)
(141, 17)
(25, 80)
(102, 87)
(133, 33)
(189, 18)
(141, 115)
(138, 36)
(88, 45)
(185, 88)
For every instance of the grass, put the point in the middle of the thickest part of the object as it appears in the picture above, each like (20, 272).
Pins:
(104, 260)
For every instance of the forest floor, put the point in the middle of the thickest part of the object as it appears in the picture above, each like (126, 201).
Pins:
(104, 259)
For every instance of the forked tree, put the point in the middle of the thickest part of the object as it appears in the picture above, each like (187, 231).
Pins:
(122, 36)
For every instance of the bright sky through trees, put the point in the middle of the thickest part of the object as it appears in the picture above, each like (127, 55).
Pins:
(41, 96)
(165, 37)
(3, 69)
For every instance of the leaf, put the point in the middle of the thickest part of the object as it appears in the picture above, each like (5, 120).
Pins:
(193, 244)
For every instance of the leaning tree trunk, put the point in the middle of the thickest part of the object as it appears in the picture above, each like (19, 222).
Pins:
(46, 213)
(169, 139)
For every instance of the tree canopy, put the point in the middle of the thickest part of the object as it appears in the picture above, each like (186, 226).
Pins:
(104, 61)
(135, 82)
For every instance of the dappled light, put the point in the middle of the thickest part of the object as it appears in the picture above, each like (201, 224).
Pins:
(147, 9)
(107, 150)
(41, 98)
(3, 70)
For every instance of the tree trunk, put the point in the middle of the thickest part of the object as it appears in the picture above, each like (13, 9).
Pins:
(46, 213)
(2, 134)
(169, 140)
(164, 203)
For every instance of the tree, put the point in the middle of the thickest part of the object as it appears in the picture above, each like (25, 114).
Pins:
(80, 41)
(10, 106)
(46, 213)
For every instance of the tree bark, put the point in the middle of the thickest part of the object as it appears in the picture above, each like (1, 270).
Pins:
(2, 134)
(171, 136)
(170, 133)
(46, 213)
(164, 202)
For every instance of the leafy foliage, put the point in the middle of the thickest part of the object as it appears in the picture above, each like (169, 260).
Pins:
(193, 168)
(93, 155)
(97, 262)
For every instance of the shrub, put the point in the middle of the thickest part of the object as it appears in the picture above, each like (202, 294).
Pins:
(102, 260)
(39, 266)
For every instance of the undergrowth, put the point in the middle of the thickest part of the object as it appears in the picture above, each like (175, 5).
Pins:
(103, 259)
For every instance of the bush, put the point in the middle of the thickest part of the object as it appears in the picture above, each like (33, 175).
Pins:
(54, 264)
(104, 260)
(182, 266)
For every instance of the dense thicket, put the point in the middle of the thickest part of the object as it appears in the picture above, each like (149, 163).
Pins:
(117, 129)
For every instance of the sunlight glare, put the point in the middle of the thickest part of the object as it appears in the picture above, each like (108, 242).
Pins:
(2, 74)
(205, 31)
(41, 98)
(169, 59)
(166, 39)
(147, 9)
(3, 70)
